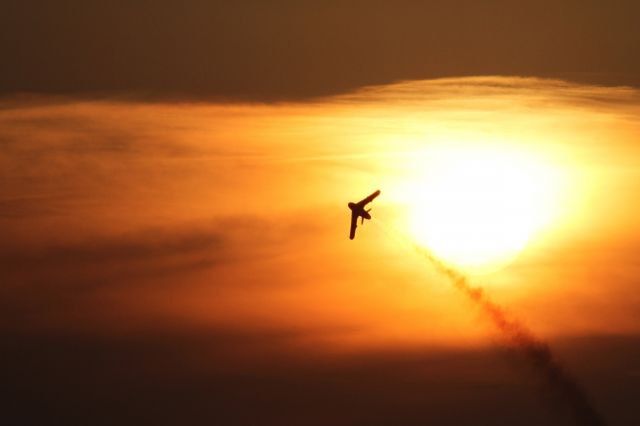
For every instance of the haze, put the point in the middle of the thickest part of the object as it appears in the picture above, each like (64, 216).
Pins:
(174, 225)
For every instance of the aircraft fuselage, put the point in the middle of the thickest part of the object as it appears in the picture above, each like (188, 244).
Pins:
(359, 210)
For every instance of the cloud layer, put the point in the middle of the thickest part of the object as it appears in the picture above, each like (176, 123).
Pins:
(201, 247)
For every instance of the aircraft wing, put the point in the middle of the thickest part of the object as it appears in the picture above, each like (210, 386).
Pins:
(354, 225)
(369, 199)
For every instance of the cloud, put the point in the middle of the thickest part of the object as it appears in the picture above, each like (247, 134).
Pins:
(144, 233)
(46, 281)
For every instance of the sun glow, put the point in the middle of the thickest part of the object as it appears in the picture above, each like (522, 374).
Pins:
(476, 208)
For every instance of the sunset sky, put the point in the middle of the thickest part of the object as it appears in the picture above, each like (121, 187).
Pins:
(174, 225)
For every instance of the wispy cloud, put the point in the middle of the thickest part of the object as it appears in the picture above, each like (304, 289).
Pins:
(227, 223)
(123, 189)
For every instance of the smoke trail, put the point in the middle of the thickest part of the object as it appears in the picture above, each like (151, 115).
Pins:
(536, 351)
(566, 389)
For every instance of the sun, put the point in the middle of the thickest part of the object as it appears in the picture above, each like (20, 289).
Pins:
(477, 208)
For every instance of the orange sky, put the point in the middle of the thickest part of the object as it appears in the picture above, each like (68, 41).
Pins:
(174, 230)
(234, 215)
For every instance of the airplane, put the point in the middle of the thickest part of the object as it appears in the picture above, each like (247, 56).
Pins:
(357, 210)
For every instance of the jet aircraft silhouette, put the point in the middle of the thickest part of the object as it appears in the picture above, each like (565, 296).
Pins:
(357, 210)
